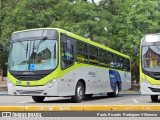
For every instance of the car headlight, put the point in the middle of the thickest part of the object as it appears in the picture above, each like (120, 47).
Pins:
(52, 83)
(10, 83)
(145, 81)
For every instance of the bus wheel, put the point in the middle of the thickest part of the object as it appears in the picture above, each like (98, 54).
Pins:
(38, 98)
(79, 93)
(115, 93)
(154, 98)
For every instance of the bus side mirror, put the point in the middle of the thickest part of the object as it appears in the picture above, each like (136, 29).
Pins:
(135, 49)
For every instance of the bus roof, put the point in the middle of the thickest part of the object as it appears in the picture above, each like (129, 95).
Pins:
(78, 38)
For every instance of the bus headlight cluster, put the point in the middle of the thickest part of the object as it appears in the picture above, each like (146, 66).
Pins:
(10, 83)
(52, 83)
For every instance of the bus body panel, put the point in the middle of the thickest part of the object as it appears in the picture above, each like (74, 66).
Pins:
(97, 80)
(125, 79)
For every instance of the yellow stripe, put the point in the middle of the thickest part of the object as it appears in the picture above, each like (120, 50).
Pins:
(135, 108)
(70, 108)
(54, 108)
(83, 108)
(11, 108)
(97, 108)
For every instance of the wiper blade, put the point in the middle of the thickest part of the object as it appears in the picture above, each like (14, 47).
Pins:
(27, 50)
(41, 41)
(44, 38)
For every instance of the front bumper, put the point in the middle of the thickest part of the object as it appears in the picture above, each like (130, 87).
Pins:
(33, 90)
(149, 89)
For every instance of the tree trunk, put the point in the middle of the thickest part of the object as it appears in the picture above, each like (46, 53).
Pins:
(1, 75)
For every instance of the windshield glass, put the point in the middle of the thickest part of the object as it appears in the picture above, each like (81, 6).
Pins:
(151, 58)
(33, 55)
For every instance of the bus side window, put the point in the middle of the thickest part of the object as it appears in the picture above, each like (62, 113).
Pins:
(102, 58)
(67, 52)
(93, 55)
(110, 62)
(82, 52)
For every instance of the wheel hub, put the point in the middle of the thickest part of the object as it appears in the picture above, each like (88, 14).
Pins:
(117, 90)
(79, 92)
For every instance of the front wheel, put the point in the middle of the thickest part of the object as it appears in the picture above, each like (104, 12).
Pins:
(79, 93)
(154, 98)
(115, 93)
(38, 98)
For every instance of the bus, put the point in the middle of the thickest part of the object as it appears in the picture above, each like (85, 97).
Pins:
(150, 66)
(51, 62)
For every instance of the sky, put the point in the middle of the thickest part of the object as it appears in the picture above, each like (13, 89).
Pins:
(94, 0)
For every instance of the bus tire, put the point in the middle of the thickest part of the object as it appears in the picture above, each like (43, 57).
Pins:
(115, 93)
(79, 93)
(38, 98)
(154, 98)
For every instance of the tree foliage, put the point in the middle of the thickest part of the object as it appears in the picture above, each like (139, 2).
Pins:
(119, 24)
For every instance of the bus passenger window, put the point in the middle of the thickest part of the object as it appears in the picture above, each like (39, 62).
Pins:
(67, 53)
(82, 52)
(110, 62)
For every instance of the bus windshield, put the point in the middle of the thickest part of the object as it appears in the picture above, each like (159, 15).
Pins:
(151, 58)
(33, 55)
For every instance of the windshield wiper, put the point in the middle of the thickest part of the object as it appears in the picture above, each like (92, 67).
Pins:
(36, 48)
(27, 50)
(41, 41)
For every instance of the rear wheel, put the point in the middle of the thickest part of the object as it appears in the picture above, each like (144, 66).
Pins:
(154, 98)
(115, 93)
(38, 98)
(79, 93)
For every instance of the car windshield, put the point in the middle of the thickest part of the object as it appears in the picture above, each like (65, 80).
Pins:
(33, 55)
(151, 58)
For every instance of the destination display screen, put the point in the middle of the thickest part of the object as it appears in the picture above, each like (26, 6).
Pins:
(153, 38)
(34, 33)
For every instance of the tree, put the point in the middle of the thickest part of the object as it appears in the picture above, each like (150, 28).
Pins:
(119, 24)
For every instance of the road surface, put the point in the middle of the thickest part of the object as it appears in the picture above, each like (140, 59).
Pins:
(125, 98)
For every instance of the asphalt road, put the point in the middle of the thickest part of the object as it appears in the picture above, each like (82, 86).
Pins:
(125, 98)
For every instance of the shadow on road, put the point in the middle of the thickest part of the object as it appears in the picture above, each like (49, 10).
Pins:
(94, 98)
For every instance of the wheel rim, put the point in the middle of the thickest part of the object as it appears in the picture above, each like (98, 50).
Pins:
(79, 92)
(116, 90)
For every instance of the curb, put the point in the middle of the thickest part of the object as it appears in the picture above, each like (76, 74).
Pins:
(82, 108)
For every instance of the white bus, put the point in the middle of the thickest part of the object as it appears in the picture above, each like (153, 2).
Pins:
(53, 62)
(150, 66)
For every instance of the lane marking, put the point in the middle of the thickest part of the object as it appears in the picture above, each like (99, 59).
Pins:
(30, 100)
(135, 101)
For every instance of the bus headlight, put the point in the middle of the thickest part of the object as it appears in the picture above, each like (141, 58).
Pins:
(10, 83)
(52, 83)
